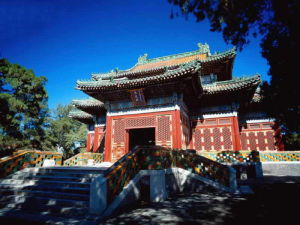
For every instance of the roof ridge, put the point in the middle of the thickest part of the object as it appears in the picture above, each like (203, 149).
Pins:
(165, 68)
(86, 99)
(195, 65)
(142, 60)
(78, 111)
(243, 78)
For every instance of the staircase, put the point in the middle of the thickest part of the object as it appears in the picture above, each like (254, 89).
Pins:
(47, 195)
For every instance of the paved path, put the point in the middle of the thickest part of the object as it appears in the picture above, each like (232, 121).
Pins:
(276, 201)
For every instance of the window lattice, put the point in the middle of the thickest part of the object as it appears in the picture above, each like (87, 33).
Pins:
(244, 141)
(163, 128)
(198, 139)
(252, 140)
(270, 138)
(261, 141)
(141, 122)
(217, 138)
(119, 131)
(207, 141)
(227, 138)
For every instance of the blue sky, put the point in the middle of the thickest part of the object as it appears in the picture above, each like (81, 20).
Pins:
(67, 40)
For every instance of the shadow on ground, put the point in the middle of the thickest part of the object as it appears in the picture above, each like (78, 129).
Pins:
(275, 201)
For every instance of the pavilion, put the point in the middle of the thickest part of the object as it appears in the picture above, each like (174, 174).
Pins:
(182, 101)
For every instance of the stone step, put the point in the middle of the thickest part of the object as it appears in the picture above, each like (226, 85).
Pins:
(54, 174)
(51, 210)
(56, 188)
(55, 192)
(48, 206)
(11, 216)
(8, 194)
(35, 201)
(81, 170)
(58, 171)
(44, 182)
(57, 178)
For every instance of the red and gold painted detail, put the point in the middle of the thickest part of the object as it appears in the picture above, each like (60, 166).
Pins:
(137, 97)
(27, 159)
(258, 136)
(214, 134)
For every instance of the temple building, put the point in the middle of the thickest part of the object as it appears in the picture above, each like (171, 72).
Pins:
(183, 101)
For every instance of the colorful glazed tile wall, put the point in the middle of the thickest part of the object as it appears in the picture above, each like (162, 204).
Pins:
(81, 159)
(151, 158)
(24, 159)
(245, 156)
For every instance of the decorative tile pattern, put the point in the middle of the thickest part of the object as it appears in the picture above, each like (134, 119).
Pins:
(236, 156)
(247, 156)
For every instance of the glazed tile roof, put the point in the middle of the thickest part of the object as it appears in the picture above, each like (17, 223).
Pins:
(166, 75)
(182, 58)
(232, 85)
(146, 66)
(80, 115)
(88, 103)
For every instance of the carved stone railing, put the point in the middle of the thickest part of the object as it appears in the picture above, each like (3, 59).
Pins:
(27, 158)
(81, 159)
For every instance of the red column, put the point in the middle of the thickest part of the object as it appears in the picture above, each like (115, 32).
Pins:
(96, 139)
(107, 146)
(178, 123)
(236, 134)
(176, 129)
(88, 142)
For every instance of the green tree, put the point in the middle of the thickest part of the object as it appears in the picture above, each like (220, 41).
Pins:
(23, 107)
(277, 22)
(63, 131)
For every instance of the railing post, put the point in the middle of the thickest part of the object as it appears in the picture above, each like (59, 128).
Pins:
(158, 191)
(98, 195)
(258, 170)
(232, 179)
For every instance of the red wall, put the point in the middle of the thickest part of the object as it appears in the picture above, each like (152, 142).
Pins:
(214, 134)
(261, 136)
(117, 138)
(90, 141)
(98, 138)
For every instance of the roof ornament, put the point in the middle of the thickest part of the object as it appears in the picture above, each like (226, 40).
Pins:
(203, 48)
(143, 59)
(112, 73)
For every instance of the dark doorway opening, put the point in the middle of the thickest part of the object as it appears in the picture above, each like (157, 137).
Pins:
(144, 136)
